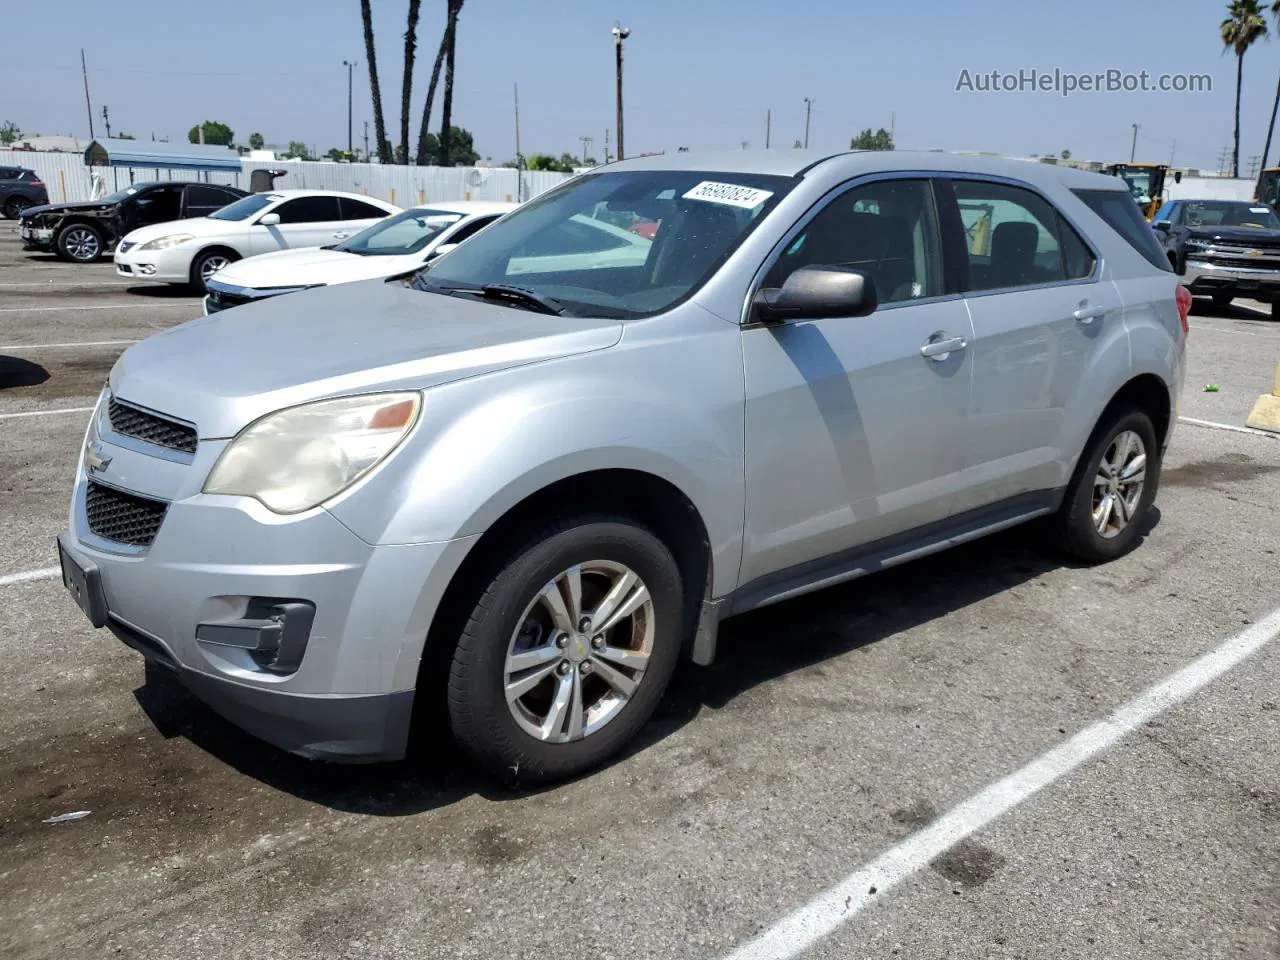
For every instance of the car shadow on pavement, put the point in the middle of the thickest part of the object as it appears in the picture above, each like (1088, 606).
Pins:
(164, 291)
(17, 372)
(1204, 307)
(754, 649)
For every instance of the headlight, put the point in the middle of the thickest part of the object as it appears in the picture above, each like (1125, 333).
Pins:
(298, 458)
(164, 243)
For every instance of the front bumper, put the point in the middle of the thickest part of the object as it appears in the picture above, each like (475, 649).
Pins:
(163, 266)
(36, 238)
(1203, 277)
(224, 296)
(193, 600)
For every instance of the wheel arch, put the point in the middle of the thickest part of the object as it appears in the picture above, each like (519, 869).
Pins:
(209, 248)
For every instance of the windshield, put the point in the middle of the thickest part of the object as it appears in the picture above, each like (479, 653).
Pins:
(1139, 182)
(245, 207)
(1225, 213)
(402, 234)
(623, 244)
(120, 195)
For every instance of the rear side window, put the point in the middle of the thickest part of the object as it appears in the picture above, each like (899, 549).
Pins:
(8, 173)
(1121, 213)
(1015, 238)
(475, 226)
(359, 210)
(309, 210)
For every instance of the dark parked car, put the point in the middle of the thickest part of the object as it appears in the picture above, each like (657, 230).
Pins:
(1223, 248)
(20, 188)
(83, 232)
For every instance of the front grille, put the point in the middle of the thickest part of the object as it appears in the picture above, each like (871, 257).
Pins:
(220, 300)
(122, 517)
(150, 428)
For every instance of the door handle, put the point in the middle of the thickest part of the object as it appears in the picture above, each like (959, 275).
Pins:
(1087, 314)
(341, 236)
(938, 347)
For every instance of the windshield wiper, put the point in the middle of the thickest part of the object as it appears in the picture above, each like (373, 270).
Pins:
(515, 295)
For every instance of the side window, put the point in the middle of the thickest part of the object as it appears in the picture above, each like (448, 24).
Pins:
(309, 210)
(8, 173)
(200, 197)
(1123, 216)
(887, 229)
(159, 205)
(1077, 258)
(470, 229)
(1011, 235)
(359, 210)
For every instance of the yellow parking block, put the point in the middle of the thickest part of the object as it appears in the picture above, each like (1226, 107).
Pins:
(1266, 412)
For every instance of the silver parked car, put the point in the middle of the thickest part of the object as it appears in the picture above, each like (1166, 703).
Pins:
(522, 495)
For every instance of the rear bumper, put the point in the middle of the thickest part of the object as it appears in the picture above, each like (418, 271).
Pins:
(1203, 277)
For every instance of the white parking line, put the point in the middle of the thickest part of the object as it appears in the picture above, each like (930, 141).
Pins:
(824, 913)
(48, 573)
(45, 413)
(1243, 333)
(50, 346)
(1213, 425)
(99, 306)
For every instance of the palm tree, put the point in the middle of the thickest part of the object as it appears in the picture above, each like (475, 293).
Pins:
(379, 126)
(1242, 29)
(423, 158)
(451, 36)
(406, 91)
(1275, 12)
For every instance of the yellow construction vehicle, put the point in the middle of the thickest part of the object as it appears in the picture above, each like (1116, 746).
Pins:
(1268, 189)
(1146, 183)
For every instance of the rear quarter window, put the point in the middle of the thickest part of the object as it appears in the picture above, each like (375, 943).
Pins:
(1118, 209)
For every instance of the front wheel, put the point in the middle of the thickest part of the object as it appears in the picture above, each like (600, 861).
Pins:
(1113, 488)
(568, 650)
(79, 243)
(207, 264)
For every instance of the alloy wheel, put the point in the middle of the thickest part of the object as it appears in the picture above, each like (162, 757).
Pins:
(82, 244)
(211, 265)
(1118, 485)
(579, 652)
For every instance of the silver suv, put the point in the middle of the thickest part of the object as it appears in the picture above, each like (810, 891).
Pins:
(517, 486)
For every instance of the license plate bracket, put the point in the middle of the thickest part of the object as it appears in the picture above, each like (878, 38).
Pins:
(84, 583)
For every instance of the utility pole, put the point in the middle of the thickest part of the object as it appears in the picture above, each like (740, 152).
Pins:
(349, 64)
(620, 33)
(515, 89)
(808, 106)
(1133, 150)
(744, 144)
(1172, 150)
(366, 141)
(768, 124)
(607, 158)
(106, 118)
(1222, 159)
(87, 105)
(1253, 167)
(586, 142)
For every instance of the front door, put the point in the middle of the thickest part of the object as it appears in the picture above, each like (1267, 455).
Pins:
(853, 425)
(304, 222)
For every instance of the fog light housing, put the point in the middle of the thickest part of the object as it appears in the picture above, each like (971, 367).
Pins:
(147, 269)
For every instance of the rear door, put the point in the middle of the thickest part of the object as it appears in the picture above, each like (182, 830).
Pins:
(304, 222)
(1040, 306)
(202, 199)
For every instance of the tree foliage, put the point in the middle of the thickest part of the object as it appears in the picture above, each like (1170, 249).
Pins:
(545, 161)
(462, 151)
(299, 150)
(257, 141)
(866, 140)
(9, 132)
(216, 133)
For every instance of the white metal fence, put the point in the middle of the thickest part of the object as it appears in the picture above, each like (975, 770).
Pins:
(68, 179)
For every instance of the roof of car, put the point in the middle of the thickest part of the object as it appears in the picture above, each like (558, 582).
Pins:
(299, 192)
(795, 163)
(471, 207)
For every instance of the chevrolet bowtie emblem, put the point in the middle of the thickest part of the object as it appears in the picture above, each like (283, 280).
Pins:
(93, 458)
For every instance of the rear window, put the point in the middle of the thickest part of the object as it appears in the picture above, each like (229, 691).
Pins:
(1123, 216)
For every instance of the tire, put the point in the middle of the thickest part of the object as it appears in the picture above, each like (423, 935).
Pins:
(79, 243)
(1079, 528)
(1222, 299)
(1275, 309)
(511, 617)
(206, 262)
(14, 206)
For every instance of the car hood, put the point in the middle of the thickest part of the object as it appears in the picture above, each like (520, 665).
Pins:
(66, 207)
(312, 266)
(196, 226)
(1244, 235)
(225, 370)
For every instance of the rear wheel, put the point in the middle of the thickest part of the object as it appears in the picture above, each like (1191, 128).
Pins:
(1222, 299)
(207, 264)
(1113, 488)
(568, 650)
(14, 206)
(79, 243)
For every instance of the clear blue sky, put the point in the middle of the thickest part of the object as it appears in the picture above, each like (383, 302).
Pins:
(700, 73)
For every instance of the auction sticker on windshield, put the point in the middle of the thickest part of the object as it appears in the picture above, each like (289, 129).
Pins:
(729, 193)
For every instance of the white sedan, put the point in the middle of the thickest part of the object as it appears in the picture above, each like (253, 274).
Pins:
(191, 251)
(395, 245)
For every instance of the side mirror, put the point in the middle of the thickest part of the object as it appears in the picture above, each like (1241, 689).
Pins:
(269, 220)
(1177, 176)
(1161, 225)
(812, 293)
(441, 250)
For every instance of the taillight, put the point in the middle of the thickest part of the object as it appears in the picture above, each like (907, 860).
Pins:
(1184, 308)
(37, 183)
